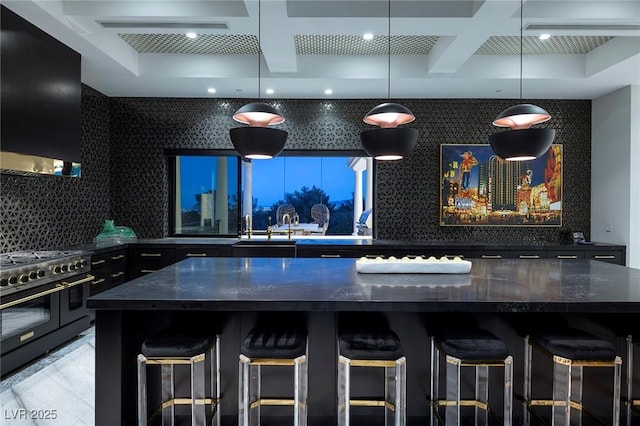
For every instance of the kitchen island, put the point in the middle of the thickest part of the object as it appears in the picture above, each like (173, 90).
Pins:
(231, 292)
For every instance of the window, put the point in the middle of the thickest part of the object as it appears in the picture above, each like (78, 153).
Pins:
(204, 195)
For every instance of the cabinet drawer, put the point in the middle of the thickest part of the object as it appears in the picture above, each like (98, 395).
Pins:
(606, 256)
(187, 252)
(491, 254)
(566, 254)
(528, 254)
(156, 257)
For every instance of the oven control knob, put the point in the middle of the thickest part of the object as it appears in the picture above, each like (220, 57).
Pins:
(24, 278)
(33, 275)
(56, 269)
(64, 268)
(13, 279)
(41, 273)
(77, 265)
(71, 266)
(4, 282)
(83, 263)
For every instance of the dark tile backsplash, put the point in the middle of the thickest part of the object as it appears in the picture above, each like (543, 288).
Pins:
(132, 133)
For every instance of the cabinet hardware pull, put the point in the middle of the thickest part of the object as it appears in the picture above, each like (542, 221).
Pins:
(121, 256)
(57, 288)
(26, 336)
(81, 281)
(461, 256)
(146, 271)
(604, 257)
(329, 255)
(491, 256)
(196, 254)
(98, 262)
(560, 256)
(368, 256)
(529, 256)
(116, 275)
(97, 281)
(150, 254)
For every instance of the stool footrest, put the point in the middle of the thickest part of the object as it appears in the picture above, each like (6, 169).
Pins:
(371, 403)
(551, 402)
(463, 403)
(187, 401)
(368, 362)
(271, 401)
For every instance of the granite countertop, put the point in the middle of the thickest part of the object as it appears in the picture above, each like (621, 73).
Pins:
(510, 285)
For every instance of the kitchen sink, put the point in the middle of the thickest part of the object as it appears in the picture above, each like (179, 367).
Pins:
(265, 243)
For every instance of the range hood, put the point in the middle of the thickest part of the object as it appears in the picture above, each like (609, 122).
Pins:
(13, 162)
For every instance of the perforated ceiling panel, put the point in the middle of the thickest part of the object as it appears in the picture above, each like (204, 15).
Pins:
(205, 44)
(356, 45)
(531, 45)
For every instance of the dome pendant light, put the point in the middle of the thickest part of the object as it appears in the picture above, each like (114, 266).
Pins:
(257, 141)
(522, 142)
(389, 142)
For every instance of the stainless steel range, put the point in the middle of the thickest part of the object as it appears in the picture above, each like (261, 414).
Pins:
(24, 270)
(43, 302)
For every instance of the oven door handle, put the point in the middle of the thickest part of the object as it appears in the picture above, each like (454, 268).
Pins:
(57, 288)
(81, 281)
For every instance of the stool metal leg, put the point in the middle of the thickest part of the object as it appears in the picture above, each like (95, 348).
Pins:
(629, 403)
(482, 395)
(400, 402)
(215, 379)
(452, 411)
(198, 407)
(254, 394)
(300, 391)
(435, 380)
(528, 352)
(508, 391)
(168, 386)
(344, 394)
(560, 411)
(617, 383)
(142, 390)
(575, 394)
(243, 391)
(389, 395)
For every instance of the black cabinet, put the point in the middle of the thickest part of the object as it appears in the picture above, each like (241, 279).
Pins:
(147, 259)
(109, 270)
(182, 253)
(264, 248)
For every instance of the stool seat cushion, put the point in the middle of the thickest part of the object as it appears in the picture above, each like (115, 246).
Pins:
(471, 344)
(370, 345)
(276, 342)
(178, 345)
(574, 344)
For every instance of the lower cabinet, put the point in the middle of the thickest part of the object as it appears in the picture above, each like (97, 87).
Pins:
(109, 270)
(144, 260)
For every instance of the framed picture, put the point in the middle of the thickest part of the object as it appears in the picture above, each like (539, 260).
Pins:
(477, 188)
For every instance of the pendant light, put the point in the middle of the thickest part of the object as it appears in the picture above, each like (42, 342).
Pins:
(389, 142)
(257, 141)
(521, 142)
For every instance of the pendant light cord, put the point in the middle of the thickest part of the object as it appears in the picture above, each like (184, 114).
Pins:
(521, 43)
(259, 48)
(389, 53)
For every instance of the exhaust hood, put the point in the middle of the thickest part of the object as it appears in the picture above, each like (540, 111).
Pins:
(13, 162)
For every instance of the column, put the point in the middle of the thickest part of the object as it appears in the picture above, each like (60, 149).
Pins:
(358, 165)
(368, 201)
(178, 195)
(247, 189)
(222, 196)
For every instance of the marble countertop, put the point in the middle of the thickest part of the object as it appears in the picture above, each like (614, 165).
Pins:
(508, 285)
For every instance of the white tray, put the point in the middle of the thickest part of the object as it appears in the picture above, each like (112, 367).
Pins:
(417, 265)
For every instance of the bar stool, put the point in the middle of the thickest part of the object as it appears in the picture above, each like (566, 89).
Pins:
(176, 346)
(272, 345)
(372, 345)
(570, 349)
(468, 347)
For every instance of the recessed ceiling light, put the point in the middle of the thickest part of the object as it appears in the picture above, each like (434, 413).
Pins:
(367, 36)
(211, 90)
(328, 91)
(269, 91)
(191, 35)
(544, 36)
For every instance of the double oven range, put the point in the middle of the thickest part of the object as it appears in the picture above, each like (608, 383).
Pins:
(43, 302)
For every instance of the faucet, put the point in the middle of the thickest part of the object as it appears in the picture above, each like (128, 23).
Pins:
(286, 218)
(269, 229)
(248, 226)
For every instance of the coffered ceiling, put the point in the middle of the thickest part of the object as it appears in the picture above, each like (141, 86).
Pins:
(436, 49)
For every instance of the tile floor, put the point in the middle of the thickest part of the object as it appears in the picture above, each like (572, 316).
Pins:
(57, 389)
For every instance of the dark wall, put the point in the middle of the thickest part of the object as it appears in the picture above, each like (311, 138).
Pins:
(46, 212)
(407, 192)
